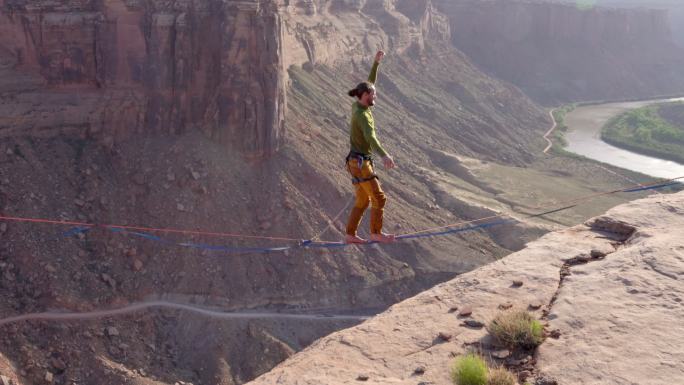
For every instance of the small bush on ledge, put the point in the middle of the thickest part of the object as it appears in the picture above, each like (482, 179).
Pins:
(516, 330)
(469, 370)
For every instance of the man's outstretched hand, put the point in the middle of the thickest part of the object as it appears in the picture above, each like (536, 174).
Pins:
(388, 162)
(379, 56)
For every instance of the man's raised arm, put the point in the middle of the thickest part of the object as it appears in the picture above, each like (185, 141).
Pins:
(374, 70)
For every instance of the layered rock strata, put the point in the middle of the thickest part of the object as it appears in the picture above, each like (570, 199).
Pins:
(119, 68)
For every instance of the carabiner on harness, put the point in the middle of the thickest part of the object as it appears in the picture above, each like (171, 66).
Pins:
(360, 158)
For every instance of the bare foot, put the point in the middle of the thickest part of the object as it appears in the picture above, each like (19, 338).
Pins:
(382, 238)
(354, 239)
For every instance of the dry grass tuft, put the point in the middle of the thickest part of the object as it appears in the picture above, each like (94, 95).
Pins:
(516, 329)
(501, 376)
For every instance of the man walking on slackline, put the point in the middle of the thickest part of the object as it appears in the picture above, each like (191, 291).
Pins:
(360, 163)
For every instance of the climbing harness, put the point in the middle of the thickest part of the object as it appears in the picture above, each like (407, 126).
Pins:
(360, 158)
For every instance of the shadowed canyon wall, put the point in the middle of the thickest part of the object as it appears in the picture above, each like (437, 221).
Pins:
(674, 8)
(561, 52)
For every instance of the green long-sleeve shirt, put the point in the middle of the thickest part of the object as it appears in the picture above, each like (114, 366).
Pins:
(363, 139)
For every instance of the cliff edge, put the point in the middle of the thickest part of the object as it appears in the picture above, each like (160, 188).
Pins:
(610, 292)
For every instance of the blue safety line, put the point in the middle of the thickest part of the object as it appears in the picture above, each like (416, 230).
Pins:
(458, 230)
(550, 211)
(74, 231)
(309, 244)
(652, 187)
(306, 244)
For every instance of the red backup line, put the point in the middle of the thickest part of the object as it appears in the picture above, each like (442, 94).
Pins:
(138, 228)
(220, 234)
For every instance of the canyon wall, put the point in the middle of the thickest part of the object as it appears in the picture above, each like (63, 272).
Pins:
(118, 68)
(563, 52)
(115, 69)
(674, 8)
(336, 31)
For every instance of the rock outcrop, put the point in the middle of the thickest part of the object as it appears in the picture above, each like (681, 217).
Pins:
(328, 31)
(609, 292)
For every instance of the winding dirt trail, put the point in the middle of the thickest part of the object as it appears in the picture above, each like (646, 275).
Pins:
(136, 307)
(553, 127)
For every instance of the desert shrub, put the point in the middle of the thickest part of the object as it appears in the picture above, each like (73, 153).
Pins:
(469, 370)
(516, 330)
(501, 376)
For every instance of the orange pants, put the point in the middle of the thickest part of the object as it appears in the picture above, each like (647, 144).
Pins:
(366, 192)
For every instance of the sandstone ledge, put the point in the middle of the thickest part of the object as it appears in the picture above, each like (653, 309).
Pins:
(612, 288)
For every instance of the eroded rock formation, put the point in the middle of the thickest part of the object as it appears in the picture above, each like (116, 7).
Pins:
(675, 10)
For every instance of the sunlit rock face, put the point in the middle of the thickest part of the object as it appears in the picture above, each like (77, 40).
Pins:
(565, 52)
(636, 261)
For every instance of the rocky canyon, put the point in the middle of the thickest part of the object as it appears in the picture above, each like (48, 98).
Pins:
(151, 149)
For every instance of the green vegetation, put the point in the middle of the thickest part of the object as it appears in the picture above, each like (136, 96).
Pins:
(585, 5)
(516, 330)
(558, 135)
(645, 131)
(501, 376)
(470, 369)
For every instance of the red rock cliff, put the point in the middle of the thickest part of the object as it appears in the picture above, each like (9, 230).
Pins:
(154, 66)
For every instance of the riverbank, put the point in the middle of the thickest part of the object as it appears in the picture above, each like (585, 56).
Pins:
(584, 124)
(645, 131)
